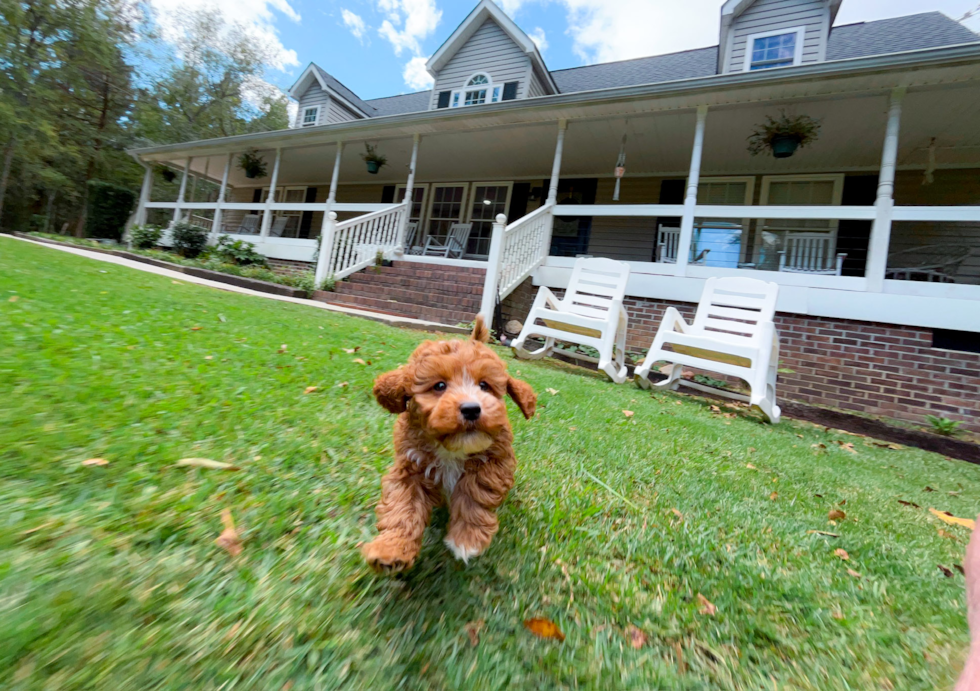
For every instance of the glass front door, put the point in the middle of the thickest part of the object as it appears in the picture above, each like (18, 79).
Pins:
(486, 202)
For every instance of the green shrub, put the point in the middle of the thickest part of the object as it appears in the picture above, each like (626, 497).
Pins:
(145, 237)
(329, 284)
(943, 425)
(305, 281)
(189, 240)
(238, 252)
(109, 207)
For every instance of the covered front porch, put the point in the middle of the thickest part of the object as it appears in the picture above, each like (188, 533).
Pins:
(877, 220)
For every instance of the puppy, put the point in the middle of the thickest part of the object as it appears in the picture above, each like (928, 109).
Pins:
(452, 445)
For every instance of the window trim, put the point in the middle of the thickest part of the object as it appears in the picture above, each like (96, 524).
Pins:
(509, 184)
(838, 195)
(302, 116)
(749, 181)
(800, 32)
(425, 199)
(495, 91)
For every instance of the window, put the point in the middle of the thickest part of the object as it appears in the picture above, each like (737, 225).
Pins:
(311, 116)
(721, 241)
(782, 48)
(478, 89)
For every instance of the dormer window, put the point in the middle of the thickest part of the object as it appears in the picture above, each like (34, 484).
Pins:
(781, 48)
(479, 89)
(311, 117)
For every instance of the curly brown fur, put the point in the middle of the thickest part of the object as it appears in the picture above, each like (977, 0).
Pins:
(452, 445)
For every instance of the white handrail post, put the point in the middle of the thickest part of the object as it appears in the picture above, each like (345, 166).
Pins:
(409, 187)
(145, 192)
(489, 300)
(270, 200)
(183, 189)
(326, 246)
(691, 194)
(881, 228)
(553, 184)
(216, 226)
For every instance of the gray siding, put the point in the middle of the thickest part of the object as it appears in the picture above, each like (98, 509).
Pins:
(770, 15)
(488, 50)
(338, 112)
(314, 96)
(535, 88)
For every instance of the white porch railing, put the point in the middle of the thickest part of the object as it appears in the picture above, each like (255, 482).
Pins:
(348, 247)
(515, 252)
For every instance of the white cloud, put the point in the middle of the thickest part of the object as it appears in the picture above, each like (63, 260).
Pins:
(255, 17)
(537, 35)
(415, 75)
(510, 6)
(408, 22)
(354, 23)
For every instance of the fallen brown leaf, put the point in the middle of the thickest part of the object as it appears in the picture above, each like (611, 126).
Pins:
(228, 540)
(959, 567)
(553, 392)
(953, 520)
(948, 573)
(311, 389)
(822, 532)
(196, 328)
(752, 449)
(14, 298)
(637, 638)
(943, 533)
(341, 385)
(886, 445)
(836, 515)
(750, 466)
(678, 514)
(774, 496)
(853, 573)
(849, 446)
(206, 463)
(95, 461)
(909, 503)
(837, 614)
(818, 446)
(628, 413)
(706, 606)
(842, 554)
(473, 631)
(715, 409)
(351, 351)
(544, 628)
(928, 489)
(359, 361)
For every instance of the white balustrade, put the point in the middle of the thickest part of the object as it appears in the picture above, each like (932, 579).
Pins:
(515, 251)
(354, 245)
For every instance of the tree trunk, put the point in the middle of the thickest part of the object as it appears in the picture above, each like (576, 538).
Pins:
(49, 211)
(8, 160)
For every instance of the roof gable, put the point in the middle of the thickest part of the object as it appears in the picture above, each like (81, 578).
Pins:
(314, 74)
(485, 10)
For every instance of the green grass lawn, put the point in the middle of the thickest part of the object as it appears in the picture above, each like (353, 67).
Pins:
(110, 577)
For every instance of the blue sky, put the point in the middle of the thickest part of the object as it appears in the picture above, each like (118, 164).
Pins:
(378, 47)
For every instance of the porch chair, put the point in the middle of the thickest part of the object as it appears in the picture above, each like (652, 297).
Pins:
(412, 245)
(591, 313)
(733, 333)
(249, 225)
(667, 241)
(278, 226)
(455, 244)
(811, 253)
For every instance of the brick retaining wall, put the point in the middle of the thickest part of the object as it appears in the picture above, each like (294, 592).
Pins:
(288, 267)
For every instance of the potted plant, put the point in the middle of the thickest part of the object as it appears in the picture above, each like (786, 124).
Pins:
(373, 159)
(783, 135)
(167, 174)
(253, 164)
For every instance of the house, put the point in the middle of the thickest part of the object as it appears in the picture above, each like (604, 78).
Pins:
(872, 230)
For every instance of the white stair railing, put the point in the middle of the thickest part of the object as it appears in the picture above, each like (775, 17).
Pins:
(515, 252)
(348, 247)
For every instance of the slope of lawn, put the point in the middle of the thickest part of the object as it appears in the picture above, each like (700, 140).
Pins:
(674, 547)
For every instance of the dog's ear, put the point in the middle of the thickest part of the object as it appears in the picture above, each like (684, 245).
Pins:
(523, 396)
(391, 390)
(480, 331)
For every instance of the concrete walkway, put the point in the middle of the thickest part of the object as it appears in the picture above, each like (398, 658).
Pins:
(391, 320)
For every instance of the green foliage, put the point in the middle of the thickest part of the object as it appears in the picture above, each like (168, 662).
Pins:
(109, 207)
(238, 252)
(801, 127)
(188, 240)
(146, 236)
(329, 284)
(306, 281)
(710, 381)
(371, 154)
(943, 426)
(253, 164)
(112, 578)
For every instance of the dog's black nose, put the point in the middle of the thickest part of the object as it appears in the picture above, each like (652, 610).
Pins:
(470, 411)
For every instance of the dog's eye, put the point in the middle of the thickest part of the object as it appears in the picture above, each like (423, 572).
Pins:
(441, 386)
(484, 386)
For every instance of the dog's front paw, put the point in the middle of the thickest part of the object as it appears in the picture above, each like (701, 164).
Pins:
(388, 554)
(467, 543)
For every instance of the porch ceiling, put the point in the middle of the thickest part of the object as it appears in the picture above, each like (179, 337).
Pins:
(851, 136)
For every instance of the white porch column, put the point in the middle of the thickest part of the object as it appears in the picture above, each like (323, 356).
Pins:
(329, 221)
(489, 300)
(183, 189)
(270, 200)
(145, 191)
(556, 164)
(409, 186)
(216, 226)
(881, 229)
(691, 194)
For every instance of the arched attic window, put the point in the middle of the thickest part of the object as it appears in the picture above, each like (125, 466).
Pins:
(477, 90)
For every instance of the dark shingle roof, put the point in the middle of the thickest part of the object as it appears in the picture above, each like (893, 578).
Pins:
(403, 103)
(329, 80)
(915, 32)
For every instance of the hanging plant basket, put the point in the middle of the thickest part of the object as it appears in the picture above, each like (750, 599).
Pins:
(373, 159)
(252, 164)
(783, 135)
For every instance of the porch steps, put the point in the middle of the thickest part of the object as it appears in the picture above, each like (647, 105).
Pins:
(445, 294)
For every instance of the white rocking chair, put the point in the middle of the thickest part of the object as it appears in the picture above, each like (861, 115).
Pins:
(733, 333)
(249, 225)
(412, 245)
(667, 240)
(455, 245)
(591, 314)
(811, 253)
